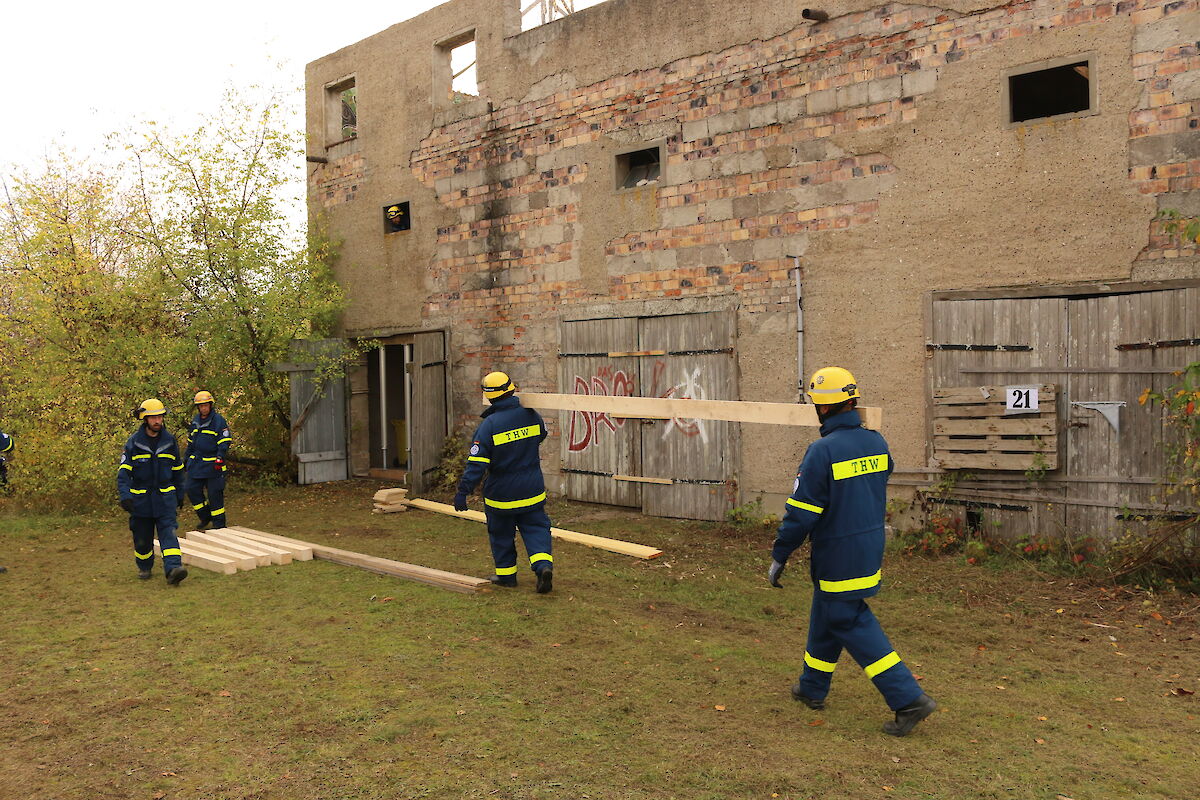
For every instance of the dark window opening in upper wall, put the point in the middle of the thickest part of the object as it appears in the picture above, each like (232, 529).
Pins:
(1050, 92)
(464, 81)
(341, 104)
(396, 218)
(639, 168)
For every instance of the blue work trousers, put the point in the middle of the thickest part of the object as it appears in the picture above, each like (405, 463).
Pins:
(850, 624)
(534, 526)
(143, 529)
(212, 509)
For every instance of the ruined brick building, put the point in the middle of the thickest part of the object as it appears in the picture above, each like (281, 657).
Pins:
(634, 200)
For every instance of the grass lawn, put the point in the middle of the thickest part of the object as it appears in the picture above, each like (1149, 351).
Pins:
(634, 679)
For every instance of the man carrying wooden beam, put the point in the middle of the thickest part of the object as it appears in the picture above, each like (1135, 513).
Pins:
(838, 500)
(151, 492)
(506, 447)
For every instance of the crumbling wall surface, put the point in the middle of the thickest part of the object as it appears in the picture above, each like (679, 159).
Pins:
(874, 146)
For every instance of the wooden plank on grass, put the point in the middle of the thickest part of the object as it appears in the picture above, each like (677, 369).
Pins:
(586, 539)
(225, 566)
(384, 566)
(299, 552)
(679, 408)
(390, 495)
(243, 561)
(261, 557)
(276, 555)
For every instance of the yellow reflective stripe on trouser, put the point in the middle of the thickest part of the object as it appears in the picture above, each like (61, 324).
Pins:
(172, 551)
(860, 466)
(177, 467)
(144, 556)
(515, 503)
(885, 663)
(506, 570)
(216, 512)
(224, 440)
(805, 506)
(137, 491)
(515, 435)
(480, 459)
(200, 505)
(168, 489)
(536, 557)
(214, 458)
(816, 663)
(851, 584)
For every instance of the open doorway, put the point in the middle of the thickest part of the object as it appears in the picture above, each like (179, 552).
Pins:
(389, 389)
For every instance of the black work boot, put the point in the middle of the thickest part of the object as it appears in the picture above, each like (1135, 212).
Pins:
(545, 580)
(506, 582)
(801, 697)
(175, 575)
(144, 574)
(908, 717)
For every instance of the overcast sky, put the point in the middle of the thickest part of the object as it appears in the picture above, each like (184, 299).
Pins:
(76, 70)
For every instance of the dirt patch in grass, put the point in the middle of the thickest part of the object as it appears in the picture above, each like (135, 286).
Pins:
(634, 679)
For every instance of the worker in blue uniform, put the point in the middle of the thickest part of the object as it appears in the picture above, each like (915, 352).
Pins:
(208, 443)
(7, 443)
(838, 502)
(148, 480)
(506, 447)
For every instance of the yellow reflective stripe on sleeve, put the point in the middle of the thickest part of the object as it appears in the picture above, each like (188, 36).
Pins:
(199, 506)
(515, 503)
(126, 466)
(218, 511)
(851, 584)
(536, 557)
(860, 466)
(506, 570)
(176, 468)
(142, 455)
(168, 489)
(816, 663)
(137, 491)
(144, 556)
(480, 459)
(885, 663)
(805, 506)
(214, 458)
(516, 435)
(172, 551)
(224, 440)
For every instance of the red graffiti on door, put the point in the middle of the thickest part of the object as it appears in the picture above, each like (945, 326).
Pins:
(585, 426)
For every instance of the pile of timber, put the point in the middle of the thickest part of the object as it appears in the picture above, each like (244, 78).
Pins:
(599, 542)
(389, 501)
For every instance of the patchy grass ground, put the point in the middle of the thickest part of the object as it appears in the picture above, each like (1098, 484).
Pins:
(634, 679)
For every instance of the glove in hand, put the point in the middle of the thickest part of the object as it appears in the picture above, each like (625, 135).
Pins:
(460, 502)
(127, 505)
(774, 572)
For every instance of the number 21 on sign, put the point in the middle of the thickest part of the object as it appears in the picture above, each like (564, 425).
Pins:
(1020, 399)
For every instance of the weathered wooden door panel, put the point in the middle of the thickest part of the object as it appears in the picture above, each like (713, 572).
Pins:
(699, 455)
(429, 415)
(318, 411)
(594, 446)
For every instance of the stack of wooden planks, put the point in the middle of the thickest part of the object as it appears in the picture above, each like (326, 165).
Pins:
(389, 501)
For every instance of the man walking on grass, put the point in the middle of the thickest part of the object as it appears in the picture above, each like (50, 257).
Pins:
(149, 482)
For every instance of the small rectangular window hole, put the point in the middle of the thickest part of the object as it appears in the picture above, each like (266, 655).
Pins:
(396, 218)
(1052, 92)
(639, 168)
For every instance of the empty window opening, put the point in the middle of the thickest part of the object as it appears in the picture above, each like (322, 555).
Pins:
(1064, 89)
(396, 218)
(341, 102)
(463, 81)
(539, 12)
(639, 168)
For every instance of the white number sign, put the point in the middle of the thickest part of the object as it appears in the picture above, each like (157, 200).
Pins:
(1020, 399)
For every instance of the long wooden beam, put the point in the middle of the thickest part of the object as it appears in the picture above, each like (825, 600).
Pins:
(599, 542)
(676, 408)
(384, 566)
(276, 555)
(225, 566)
(299, 553)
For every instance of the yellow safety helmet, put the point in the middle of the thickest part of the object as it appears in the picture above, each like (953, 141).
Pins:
(202, 397)
(497, 384)
(151, 408)
(832, 385)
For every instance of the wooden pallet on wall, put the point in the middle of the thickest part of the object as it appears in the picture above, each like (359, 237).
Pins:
(972, 431)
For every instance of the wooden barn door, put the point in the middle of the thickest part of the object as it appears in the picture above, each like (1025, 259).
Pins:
(428, 404)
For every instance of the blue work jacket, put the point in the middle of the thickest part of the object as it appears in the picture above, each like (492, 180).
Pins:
(150, 473)
(6, 442)
(208, 440)
(839, 501)
(506, 447)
